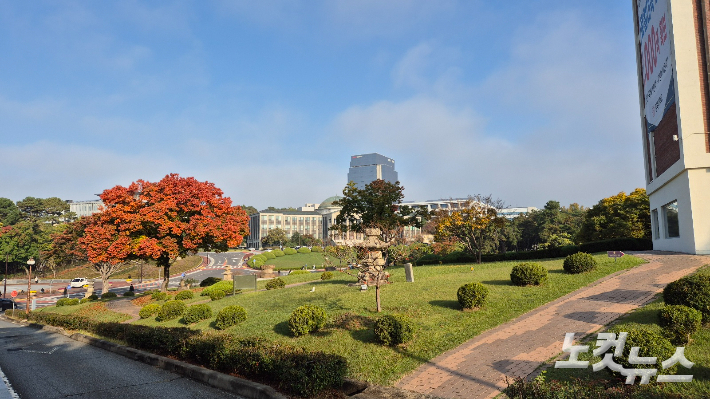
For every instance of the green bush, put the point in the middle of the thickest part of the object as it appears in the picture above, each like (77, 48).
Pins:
(528, 274)
(275, 283)
(171, 310)
(216, 295)
(306, 319)
(148, 310)
(93, 297)
(183, 295)
(210, 281)
(304, 250)
(278, 253)
(196, 313)
(256, 262)
(260, 257)
(393, 330)
(679, 322)
(290, 251)
(269, 255)
(67, 301)
(692, 291)
(129, 293)
(295, 272)
(225, 286)
(317, 249)
(472, 295)
(84, 300)
(326, 276)
(579, 263)
(651, 342)
(108, 295)
(159, 296)
(230, 316)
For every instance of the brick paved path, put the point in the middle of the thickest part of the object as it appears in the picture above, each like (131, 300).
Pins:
(477, 368)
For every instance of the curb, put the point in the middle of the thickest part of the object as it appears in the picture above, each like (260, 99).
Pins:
(225, 382)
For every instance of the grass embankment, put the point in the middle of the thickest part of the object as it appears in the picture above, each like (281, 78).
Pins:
(150, 271)
(297, 261)
(96, 310)
(697, 351)
(430, 302)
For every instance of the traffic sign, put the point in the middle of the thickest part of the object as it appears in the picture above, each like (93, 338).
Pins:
(13, 294)
(614, 254)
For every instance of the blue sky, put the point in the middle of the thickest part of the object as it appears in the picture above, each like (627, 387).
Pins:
(525, 100)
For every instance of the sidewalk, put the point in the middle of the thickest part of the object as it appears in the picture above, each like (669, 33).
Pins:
(478, 368)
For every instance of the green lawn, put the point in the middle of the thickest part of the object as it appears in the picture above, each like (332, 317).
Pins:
(697, 351)
(430, 302)
(297, 261)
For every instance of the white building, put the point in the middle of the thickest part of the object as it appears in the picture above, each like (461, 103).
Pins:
(85, 208)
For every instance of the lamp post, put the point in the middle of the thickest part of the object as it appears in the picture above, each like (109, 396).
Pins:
(30, 262)
(4, 280)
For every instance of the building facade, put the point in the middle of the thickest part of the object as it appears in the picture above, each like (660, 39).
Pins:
(672, 64)
(367, 168)
(85, 208)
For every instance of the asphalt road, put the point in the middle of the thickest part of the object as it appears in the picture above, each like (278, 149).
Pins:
(40, 364)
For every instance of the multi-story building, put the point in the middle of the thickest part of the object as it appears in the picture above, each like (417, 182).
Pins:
(85, 208)
(367, 168)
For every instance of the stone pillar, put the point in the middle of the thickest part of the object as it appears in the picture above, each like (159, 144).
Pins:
(227, 275)
(89, 291)
(409, 272)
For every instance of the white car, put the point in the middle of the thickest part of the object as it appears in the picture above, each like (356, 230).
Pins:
(78, 282)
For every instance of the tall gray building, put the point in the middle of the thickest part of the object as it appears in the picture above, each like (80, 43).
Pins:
(366, 168)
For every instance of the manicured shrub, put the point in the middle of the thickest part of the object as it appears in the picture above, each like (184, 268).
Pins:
(159, 296)
(185, 294)
(171, 310)
(84, 300)
(528, 274)
(269, 255)
(278, 253)
(295, 272)
(651, 342)
(260, 257)
(326, 276)
(148, 310)
(256, 262)
(393, 330)
(108, 295)
(692, 291)
(67, 301)
(230, 316)
(275, 283)
(317, 249)
(306, 319)
(209, 281)
(304, 250)
(290, 251)
(472, 295)
(93, 297)
(579, 263)
(225, 286)
(216, 295)
(129, 293)
(196, 313)
(679, 322)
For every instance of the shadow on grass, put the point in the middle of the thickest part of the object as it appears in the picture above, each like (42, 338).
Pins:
(497, 282)
(448, 304)
(557, 271)
(282, 329)
(364, 335)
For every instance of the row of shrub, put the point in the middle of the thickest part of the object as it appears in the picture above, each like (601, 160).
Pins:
(257, 261)
(617, 244)
(92, 297)
(290, 369)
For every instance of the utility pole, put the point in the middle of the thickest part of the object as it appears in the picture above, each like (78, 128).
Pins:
(4, 280)
(30, 262)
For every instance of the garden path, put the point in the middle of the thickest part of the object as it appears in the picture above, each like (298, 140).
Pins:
(479, 367)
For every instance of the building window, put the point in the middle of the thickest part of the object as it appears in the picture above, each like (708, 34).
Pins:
(670, 214)
(654, 223)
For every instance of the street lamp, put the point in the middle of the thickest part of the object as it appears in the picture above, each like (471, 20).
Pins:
(4, 280)
(30, 262)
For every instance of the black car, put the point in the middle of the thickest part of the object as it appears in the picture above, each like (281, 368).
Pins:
(7, 304)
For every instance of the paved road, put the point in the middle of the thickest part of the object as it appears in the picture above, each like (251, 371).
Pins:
(39, 364)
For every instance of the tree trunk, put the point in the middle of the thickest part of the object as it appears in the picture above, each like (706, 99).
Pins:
(478, 257)
(166, 274)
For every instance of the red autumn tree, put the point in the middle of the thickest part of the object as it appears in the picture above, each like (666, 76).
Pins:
(163, 221)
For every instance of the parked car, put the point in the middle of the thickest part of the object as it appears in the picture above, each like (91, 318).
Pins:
(78, 282)
(7, 304)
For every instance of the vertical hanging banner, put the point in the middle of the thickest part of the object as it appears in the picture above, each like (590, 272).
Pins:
(656, 60)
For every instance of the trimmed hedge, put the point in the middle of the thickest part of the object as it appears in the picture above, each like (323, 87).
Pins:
(304, 250)
(290, 251)
(183, 295)
(472, 295)
(317, 249)
(294, 272)
(326, 276)
(528, 274)
(67, 302)
(93, 297)
(129, 293)
(306, 319)
(159, 296)
(230, 316)
(196, 313)
(171, 310)
(679, 322)
(109, 295)
(275, 283)
(148, 310)
(278, 253)
(269, 255)
(393, 330)
(210, 281)
(579, 263)
(692, 291)
(216, 295)
(225, 286)
(650, 341)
